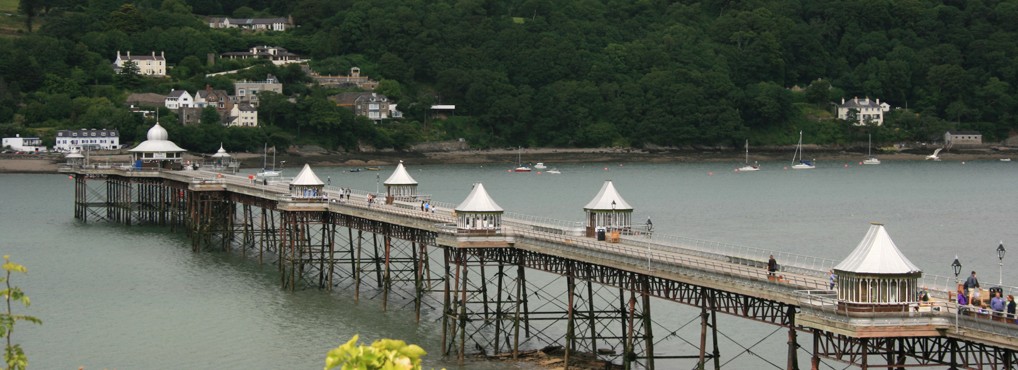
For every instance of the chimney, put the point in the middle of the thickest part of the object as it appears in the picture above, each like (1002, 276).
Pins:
(153, 54)
(128, 54)
(842, 100)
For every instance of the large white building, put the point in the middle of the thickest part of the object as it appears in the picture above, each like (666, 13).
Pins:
(23, 144)
(148, 65)
(87, 139)
(866, 111)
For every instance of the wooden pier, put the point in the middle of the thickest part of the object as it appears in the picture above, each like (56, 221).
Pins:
(478, 279)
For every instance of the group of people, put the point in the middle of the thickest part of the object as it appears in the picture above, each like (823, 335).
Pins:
(427, 207)
(970, 294)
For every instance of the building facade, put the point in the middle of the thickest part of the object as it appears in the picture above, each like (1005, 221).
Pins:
(277, 55)
(243, 115)
(252, 24)
(368, 104)
(353, 80)
(148, 65)
(23, 144)
(179, 99)
(963, 138)
(863, 111)
(87, 139)
(247, 91)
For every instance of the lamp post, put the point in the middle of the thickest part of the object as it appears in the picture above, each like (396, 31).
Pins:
(1000, 258)
(613, 216)
(957, 268)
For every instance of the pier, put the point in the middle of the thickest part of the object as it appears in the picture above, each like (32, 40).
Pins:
(474, 262)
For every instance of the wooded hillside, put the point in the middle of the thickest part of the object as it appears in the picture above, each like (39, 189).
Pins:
(580, 73)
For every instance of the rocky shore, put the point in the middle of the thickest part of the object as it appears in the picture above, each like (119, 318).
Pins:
(317, 157)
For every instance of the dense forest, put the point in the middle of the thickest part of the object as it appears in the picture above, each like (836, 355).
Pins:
(569, 73)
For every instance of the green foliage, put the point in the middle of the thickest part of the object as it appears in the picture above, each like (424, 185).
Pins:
(383, 354)
(14, 355)
(578, 73)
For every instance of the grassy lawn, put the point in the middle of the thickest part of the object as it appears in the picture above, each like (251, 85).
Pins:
(8, 6)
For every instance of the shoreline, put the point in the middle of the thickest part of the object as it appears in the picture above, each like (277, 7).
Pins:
(51, 163)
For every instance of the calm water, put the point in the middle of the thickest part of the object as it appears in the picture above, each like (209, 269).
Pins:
(137, 297)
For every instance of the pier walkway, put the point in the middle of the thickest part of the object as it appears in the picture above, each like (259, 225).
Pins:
(716, 277)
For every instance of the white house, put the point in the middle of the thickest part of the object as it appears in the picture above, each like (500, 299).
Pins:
(148, 65)
(68, 140)
(247, 91)
(865, 110)
(243, 115)
(179, 99)
(253, 24)
(24, 144)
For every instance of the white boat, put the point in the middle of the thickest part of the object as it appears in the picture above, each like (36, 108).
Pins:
(519, 159)
(1005, 159)
(748, 167)
(798, 163)
(871, 159)
(934, 155)
(553, 172)
(266, 172)
(540, 166)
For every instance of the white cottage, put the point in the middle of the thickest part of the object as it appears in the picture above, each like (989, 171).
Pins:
(608, 212)
(307, 185)
(478, 213)
(876, 276)
(158, 151)
(400, 186)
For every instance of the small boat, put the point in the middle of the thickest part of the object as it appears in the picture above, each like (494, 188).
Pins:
(540, 166)
(553, 172)
(1005, 159)
(748, 167)
(373, 168)
(801, 164)
(266, 172)
(355, 170)
(519, 159)
(871, 159)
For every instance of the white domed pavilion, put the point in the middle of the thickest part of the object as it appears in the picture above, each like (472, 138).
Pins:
(158, 151)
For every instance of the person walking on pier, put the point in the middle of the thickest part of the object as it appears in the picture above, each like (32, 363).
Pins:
(833, 278)
(972, 283)
(772, 267)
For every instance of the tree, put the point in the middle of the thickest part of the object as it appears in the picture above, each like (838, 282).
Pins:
(382, 354)
(14, 356)
(30, 8)
(130, 75)
(209, 116)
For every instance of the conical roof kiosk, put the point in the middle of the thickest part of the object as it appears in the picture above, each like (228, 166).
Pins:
(306, 185)
(221, 156)
(478, 213)
(876, 276)
(400, 186)
(608, 211)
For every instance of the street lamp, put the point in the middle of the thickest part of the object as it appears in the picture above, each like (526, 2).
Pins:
(1000, 257)
(957, 268)
(613, 215)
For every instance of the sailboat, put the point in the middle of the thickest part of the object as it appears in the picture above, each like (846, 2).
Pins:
(869, 150)
(266, 172)
(519, 160)
(798, 163)
(748, 167)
